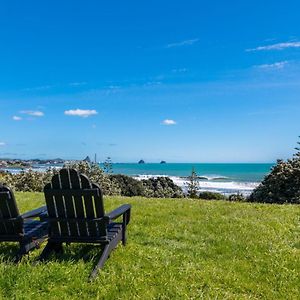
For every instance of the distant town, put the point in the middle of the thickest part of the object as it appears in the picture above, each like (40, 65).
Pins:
(20, 163)
(6, 163)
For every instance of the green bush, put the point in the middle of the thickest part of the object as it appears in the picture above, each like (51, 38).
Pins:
(161, 187)
(27, 181)
(128, 186)
(237, 198)
(33, 181)
(212, 196)
(282, 185)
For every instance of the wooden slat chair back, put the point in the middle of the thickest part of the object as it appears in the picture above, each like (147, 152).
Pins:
(75, 207)
(76, 215)
(11, 225)
(21, 228)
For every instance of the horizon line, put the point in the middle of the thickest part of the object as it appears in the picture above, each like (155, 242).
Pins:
(145, 162)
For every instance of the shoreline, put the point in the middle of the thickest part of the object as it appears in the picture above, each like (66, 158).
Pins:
(215, 181)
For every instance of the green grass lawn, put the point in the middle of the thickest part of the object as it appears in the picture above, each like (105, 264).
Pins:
(177, 249)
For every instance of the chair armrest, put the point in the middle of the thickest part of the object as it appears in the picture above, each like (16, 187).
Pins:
(34, 213)
(123, 209)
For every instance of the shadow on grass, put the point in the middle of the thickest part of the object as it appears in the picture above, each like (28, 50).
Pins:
(72, 253)
(8, 252)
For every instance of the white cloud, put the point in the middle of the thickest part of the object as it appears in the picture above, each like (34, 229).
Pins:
(169, 122)
(33, 113)
(183, 43)
(274, 66)
(278, 46)
(16, 118)
(83, 113)
(114, 87)
(2, 144)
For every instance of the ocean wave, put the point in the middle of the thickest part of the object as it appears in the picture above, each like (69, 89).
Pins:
(213, 178)
(204, 177)
(212, 185)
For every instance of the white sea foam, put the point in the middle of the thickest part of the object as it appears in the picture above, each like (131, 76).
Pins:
(214, 184)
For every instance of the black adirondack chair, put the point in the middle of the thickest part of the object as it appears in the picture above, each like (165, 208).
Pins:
(76, 215)
(29, 233)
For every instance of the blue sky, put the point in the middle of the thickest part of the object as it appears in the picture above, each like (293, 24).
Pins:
(182, 81)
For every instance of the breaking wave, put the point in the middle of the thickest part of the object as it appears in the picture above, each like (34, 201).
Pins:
(217, 184)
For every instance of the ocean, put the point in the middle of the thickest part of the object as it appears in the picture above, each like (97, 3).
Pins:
(223, 178)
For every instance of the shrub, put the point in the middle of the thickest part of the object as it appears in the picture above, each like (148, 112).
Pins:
(212, 196)
(282, 185)
(161, 187)
(6, 179)
(128, 185)
(27, 181)
(237, 198)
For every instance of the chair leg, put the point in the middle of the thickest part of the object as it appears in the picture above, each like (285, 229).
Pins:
(103, 258)
(50, 247)
(124, 238)
(58, 248)
(124, 229)
(22, 251)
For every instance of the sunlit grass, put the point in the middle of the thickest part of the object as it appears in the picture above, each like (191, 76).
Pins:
(177, 249)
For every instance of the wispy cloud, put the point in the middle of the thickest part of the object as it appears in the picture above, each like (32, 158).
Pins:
(33, 113)
(77, 83)
(83, 113)
(16, 118)
(38, 88)
(2, 144)
(152, 83)
(9, 154)
(168, 122)
(277, 46)
(114, 87)
(275, 66)
(181, 70)
(183, 43)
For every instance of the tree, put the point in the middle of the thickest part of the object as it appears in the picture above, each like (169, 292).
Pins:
(297, 154)
(107, 166)
(282, 185)
(193, 185)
